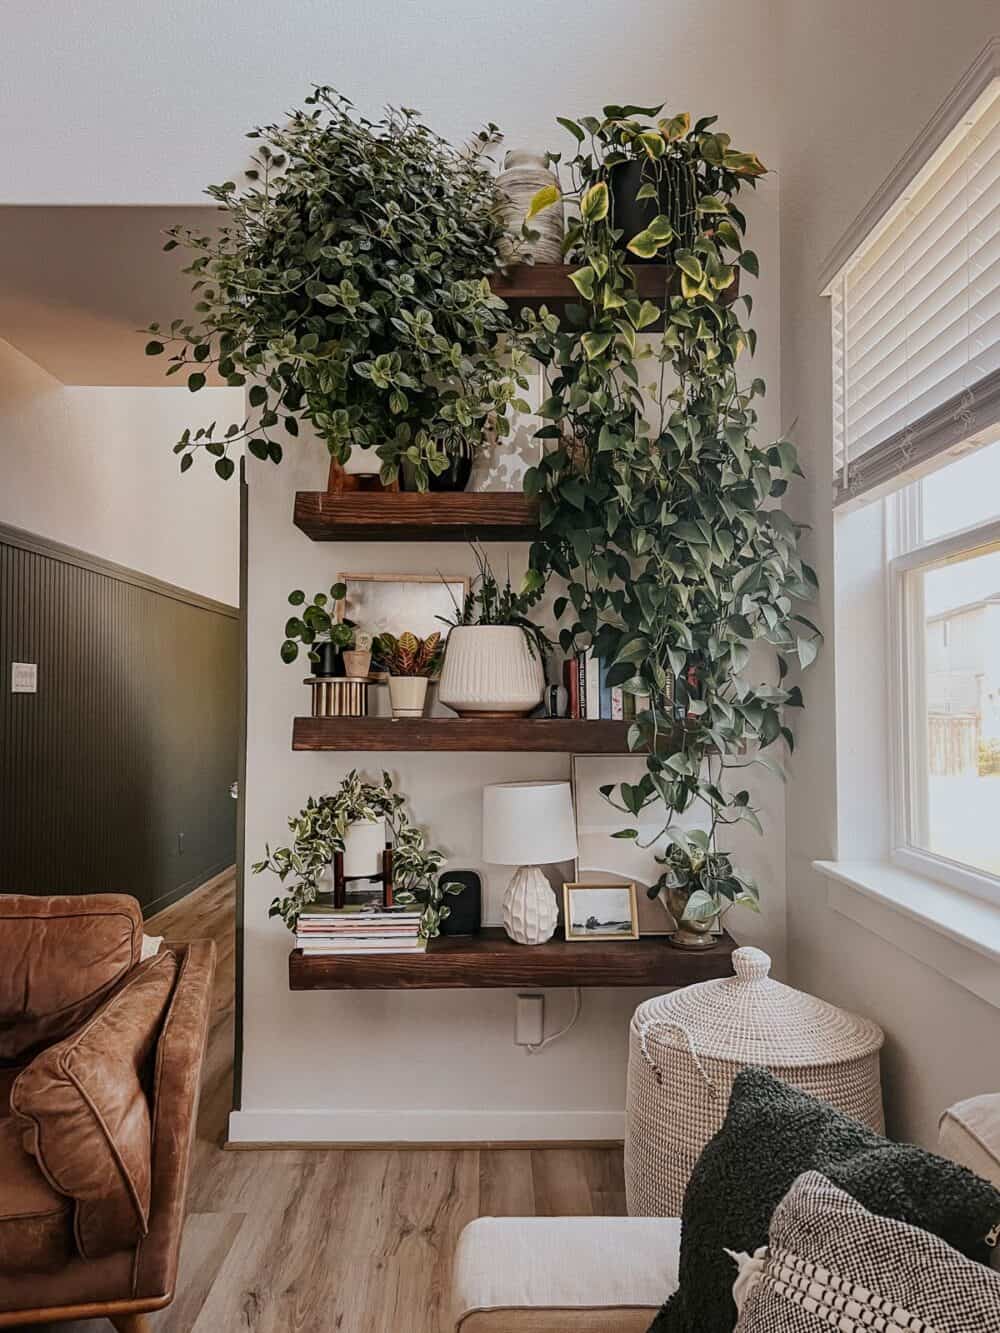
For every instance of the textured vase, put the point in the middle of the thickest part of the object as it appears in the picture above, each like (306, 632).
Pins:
(530, 911)
(357, 662)
(407, 695)
(524, 174)
(364, 843)
(491, 670)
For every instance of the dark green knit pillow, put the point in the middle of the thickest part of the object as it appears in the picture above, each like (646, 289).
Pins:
(771, 1134)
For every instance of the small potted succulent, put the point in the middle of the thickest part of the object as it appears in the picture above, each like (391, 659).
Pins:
(319, 628)
(494, 664)
(699, 885)
(410, 662)
(358, 657)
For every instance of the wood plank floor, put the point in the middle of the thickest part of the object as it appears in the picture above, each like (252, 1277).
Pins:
(337, 1241)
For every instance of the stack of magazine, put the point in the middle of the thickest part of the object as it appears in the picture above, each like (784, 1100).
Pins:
(357, 929)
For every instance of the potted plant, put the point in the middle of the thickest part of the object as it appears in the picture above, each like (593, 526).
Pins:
(494, 662)
(698, 886)
(319, 628)
(347, 287)
(410, 662)
(337, 823)
(358, 658)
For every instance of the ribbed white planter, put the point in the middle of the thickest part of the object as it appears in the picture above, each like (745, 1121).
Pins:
(364, 844)
(490, 669)
(407, 695)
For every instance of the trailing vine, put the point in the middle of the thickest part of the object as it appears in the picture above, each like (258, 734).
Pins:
(659, 507)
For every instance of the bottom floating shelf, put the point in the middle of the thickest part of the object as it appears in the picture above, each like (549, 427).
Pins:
(490, 960)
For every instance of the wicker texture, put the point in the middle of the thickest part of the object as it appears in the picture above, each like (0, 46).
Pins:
(686, 1048)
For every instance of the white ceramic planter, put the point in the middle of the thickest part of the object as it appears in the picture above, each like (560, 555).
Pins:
(364, 844)
(489, 669)
(407, 695)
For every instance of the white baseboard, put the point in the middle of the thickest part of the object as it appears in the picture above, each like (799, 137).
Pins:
(403, 1127)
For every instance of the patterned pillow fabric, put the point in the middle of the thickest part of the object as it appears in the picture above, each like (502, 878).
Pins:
(831, 1263)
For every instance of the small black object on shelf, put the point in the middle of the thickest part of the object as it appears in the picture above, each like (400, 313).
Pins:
(466, 915)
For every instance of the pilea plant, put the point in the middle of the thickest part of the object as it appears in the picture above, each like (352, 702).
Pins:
(347, 286)
(318, 622)
(659, 507)
(318, 831)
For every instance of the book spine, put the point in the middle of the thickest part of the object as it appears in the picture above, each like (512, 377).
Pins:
(572, 683)
(617, 703)
(593, 672)
(607, 709)
(581, 681)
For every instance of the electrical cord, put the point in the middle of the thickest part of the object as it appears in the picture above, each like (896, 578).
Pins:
(554, 1036)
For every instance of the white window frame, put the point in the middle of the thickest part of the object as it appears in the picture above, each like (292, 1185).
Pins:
(907, 553)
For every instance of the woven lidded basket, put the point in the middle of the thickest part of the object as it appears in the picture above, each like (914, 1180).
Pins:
(686, 1048)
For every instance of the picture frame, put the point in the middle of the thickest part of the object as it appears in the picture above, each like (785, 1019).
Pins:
(600, 911)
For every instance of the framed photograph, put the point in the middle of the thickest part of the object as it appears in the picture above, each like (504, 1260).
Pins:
(393, 603)
(600, 912)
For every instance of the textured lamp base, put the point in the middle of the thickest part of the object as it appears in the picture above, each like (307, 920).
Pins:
(530, 911)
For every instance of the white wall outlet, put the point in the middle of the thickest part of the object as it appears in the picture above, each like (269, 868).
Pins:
(24, 677)
(529, 1020)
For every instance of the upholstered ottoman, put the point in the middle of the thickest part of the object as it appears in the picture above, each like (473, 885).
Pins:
(553, 1274)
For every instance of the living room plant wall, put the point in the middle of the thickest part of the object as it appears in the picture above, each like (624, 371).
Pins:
(659, 507)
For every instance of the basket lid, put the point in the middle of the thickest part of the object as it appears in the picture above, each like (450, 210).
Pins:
(754, 1019)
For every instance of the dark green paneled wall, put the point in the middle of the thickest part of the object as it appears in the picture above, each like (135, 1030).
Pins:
(115, 776)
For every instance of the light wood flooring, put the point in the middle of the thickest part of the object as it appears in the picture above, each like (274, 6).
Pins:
(337, 1241)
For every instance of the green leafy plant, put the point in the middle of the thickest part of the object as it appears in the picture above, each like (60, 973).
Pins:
(659, 507)
(706, 877)
(490, 602)
(408, 655)
(317, 623)
(347, 286)
(318, 831)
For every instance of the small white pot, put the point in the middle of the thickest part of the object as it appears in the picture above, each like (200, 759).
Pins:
(489, 669)
(364, 844)
(407, 695)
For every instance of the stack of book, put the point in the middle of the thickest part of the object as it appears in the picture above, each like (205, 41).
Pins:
(358, 930)
(590, 695)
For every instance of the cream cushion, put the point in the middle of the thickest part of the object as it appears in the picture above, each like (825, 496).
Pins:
(969, 1134)
(550, 1274)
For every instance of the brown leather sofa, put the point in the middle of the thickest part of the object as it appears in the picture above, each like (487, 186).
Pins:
(100, 1064)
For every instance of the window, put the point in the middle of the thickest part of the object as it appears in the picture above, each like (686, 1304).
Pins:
(944, 596)
(916, 429)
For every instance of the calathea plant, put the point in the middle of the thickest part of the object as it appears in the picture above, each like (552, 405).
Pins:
(659, 505)
(347, 286)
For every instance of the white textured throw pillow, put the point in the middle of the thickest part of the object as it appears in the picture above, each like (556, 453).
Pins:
(831, 1263)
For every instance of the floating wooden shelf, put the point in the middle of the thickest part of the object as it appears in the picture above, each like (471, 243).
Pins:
(557, 735)
(410, 517)
(490, 960)
(548, 284)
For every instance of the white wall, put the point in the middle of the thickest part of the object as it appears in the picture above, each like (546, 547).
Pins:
(859, 83)
(93, 468)
(427, 1065)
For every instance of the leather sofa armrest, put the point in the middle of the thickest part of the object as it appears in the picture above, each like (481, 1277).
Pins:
(180, 1054)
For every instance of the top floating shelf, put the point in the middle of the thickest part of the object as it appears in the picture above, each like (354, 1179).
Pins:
(411, 517)
(548, 284)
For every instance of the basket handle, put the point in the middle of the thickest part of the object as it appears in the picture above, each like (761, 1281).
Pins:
(645, 1028)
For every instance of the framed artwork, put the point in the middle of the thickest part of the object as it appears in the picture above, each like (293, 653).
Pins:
(600, 912)
(600, 856)
(393, 603)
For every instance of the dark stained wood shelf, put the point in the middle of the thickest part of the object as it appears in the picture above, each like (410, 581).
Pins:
(490, 960)
(410, 517)
(548, 284)
(557, 735)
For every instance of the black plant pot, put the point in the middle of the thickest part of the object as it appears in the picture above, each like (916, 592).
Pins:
(456, 478)
(329, 661)
(632, 215)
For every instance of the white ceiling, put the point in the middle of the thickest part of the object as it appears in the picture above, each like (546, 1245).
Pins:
(77, 283)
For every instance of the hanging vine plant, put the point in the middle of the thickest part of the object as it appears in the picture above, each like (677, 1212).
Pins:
(659, 507)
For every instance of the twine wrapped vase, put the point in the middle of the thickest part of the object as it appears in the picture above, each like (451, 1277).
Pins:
(524, 174)
(686, 1048)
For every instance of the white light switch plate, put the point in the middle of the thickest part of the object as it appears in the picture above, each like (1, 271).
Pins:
(24, 677)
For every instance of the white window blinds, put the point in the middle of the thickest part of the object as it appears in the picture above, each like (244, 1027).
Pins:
(916, 316)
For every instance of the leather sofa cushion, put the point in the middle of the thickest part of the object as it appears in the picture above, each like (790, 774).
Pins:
(62, 956)
(7, 1077)
(84, 1110)
(36, 1224)
(550, 1274)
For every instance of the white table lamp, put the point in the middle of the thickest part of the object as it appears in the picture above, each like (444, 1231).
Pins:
(528, 824)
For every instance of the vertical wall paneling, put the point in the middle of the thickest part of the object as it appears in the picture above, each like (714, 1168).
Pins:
(132, 738)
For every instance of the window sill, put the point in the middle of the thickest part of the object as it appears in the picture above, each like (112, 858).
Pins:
(950, 931)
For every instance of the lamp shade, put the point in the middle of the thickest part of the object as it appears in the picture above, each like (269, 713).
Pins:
(528, 823)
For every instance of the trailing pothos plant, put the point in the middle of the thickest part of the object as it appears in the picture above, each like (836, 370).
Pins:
(659, 505)
(318, 831)
(347, 286)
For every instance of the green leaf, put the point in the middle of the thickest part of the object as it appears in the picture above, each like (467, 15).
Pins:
(196, 381)
(573, 128)
(595, 203)
(186, 462)
(676, 126)
(653, 144)
(154, 348)
(645, 245)
(711, 203)
(807, 650)
(583, 280)
(542, 199)
(596, 343)
(257, 396)
(749, 261)
(690, 264)
(225, 467)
